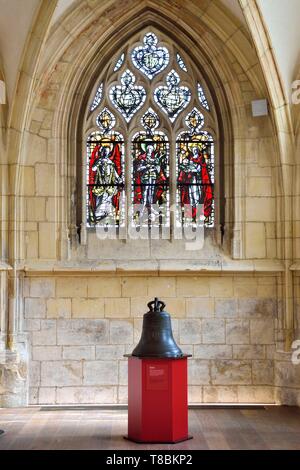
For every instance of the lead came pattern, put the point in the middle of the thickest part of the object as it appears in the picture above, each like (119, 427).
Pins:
(150, 121)
(119, 63)
(127, 97)
(202, 97)
(172, 98)
(97, 99)
(150, 176)
(195, 178)
(105, 170)
(105, 181)
(150, 147)
(194, 120)
(105, 120)
(150, 59)
(180, 62)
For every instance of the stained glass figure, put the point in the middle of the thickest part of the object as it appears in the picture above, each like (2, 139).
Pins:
(150, 59)
(202, 98)
(150, 192)
(150, 176)
(127, 97)
(180, 62)
(194, 121)
(105, 120)
(97, 99)
(119, 62)
(195, 178)
(105, 180)
(172, 98)
(150, 121)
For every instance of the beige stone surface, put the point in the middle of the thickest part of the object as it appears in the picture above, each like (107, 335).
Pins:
(87, 308)
(192, 287)
(255, 240)
(200, 307)
(59, 308)
(71, 287)
(47, 240)
(216, 332)
(117, 308)
(161, 287)
(262, 331)
(81, 302)
(134, 286)
(104, 287)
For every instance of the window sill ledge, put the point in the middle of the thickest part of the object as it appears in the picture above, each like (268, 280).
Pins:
(5, 267)
(162, 267)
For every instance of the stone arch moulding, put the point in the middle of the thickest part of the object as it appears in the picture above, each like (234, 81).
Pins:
(14, 354)
(66, 80)
(80, 79)
(99, 60)
(286, 142)
(214, 116)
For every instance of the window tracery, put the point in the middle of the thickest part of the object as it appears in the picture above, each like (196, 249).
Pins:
(151, 143)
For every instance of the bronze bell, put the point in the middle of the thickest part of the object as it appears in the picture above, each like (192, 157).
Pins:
(157, 337)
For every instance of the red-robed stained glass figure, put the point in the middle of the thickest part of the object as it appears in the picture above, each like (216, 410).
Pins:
(105, 181)
(150, 172)
(194, 180)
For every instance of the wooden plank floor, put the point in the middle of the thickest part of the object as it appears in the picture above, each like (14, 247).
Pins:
(32, 428)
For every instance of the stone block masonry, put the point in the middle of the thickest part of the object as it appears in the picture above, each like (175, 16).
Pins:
(80, 327)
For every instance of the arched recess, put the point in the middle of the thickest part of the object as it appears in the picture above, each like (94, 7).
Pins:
(3, 171)
(77, 79)
(191, 78)
(96, 63)
(86, 36)
(64, 76)
(3, 215)
(13, 363)
(296, 122)
(3, 113)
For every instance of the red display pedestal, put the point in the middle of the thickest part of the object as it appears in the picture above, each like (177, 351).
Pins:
(157, 400)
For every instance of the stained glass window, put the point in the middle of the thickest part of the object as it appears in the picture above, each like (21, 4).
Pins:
(119, 62)
(106, 120)
(180, 62)
(150, 121)
(202, 98)
(195, 178)
(194, 121)
(97, 99)
(105, 174)
(150, 173)
(156, 102)
(150, 176)
(150, 59)
(172, 98)
(127, 97)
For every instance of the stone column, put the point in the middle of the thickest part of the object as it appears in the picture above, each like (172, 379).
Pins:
(13, 345)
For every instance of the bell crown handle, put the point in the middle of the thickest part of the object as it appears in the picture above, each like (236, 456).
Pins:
(156, 305)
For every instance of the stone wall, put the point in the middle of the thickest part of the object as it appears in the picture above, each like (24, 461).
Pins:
(80, 327)
(287, 371)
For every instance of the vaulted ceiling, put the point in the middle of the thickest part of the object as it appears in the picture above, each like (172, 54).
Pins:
(280, 18)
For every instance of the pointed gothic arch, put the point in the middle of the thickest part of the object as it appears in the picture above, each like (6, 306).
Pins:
(152, 77)
(63, 82)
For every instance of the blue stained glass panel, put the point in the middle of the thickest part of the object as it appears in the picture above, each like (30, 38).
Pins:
(127, 97)
(180, 62)
(172, 98)
(150, 59)
(97, 99)
(119, 62)
(202, 98)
